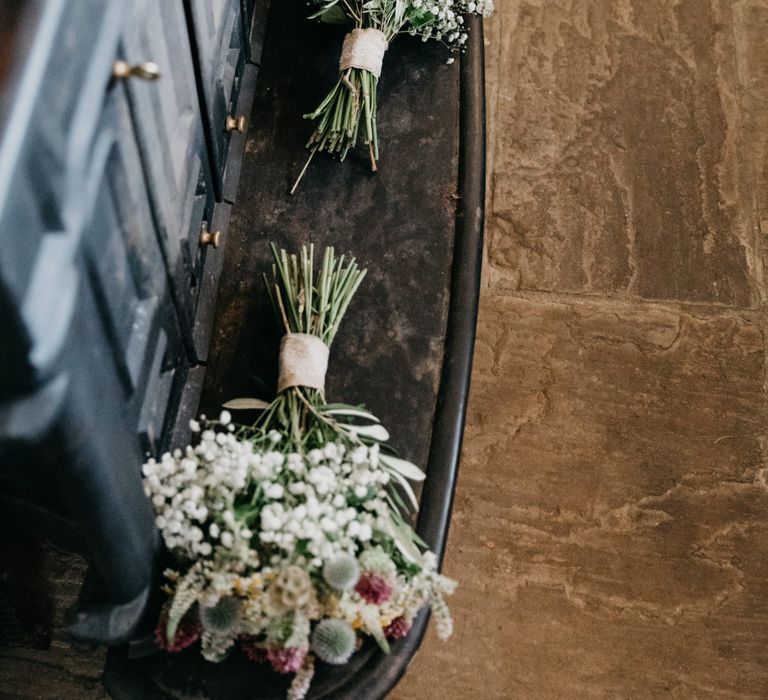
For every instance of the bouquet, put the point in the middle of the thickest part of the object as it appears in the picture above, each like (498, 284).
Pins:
(291, 535)
(375, 23)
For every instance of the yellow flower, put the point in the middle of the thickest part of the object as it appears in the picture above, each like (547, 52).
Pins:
(332, 605)
(255, 585)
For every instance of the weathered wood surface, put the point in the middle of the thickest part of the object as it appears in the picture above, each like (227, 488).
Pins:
(399, 223)
(611, 518)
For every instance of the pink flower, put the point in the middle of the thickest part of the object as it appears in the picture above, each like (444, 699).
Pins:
(398, 628)
(187, 633)
(287, 660)
(373, 588)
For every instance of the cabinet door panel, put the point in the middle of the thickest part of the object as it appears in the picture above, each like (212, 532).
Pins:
(82, 271)
(170, 133)
(121, 249)
(43, 151)
(221, 55)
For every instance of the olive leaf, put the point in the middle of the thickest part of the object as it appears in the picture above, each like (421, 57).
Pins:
(246, 404)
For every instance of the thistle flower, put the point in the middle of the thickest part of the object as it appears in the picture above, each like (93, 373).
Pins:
(222, 617)
(333, 641)
(341, 572)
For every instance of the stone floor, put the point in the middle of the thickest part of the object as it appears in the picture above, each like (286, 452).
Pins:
(611, 524)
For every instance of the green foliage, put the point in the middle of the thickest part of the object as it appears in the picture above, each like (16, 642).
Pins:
(184, 598)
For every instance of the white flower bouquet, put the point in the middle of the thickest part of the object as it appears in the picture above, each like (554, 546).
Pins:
(291, 535)
(374, 25)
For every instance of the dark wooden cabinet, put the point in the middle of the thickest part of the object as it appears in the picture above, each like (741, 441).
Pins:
(169, 126)
(112, 212)
(221, 53)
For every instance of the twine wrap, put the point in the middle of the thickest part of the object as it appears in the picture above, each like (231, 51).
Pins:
(303, 362)
(364, 48)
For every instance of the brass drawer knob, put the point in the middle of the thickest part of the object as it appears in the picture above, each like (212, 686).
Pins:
(235, 124)
(143, 71)
(209, 238)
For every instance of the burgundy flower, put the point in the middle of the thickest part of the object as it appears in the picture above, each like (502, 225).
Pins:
(286, 660)
(373, 588)
(398, 628)
(187, 633)
(252, 650)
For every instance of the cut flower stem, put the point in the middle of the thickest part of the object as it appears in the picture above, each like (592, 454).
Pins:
(354, 97)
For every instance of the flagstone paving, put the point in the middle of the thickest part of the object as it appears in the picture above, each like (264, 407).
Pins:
(610, 523)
